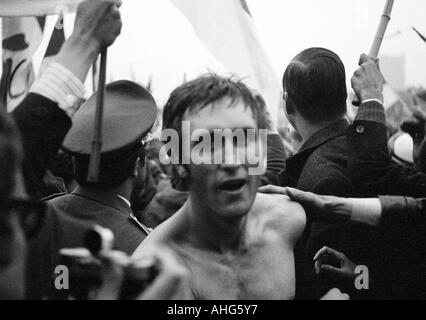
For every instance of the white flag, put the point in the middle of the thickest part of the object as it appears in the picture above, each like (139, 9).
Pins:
(227, 30)
(22, 8)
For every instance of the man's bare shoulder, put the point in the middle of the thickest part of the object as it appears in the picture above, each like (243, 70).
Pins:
(276, 206)
(167, 234)
(279, 213)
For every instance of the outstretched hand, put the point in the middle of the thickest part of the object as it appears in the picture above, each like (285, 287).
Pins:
(315, 205)
(331, 262)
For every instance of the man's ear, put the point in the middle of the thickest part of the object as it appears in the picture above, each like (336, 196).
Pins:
(288, 105)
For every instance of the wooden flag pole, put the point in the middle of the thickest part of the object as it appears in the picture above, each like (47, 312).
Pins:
(95, 157)
(94, 72)
(381, 30)
(380, 34)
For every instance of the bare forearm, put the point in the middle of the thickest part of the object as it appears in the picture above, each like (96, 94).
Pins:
(78, 55)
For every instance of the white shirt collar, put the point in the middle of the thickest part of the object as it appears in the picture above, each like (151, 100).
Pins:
(125, 200)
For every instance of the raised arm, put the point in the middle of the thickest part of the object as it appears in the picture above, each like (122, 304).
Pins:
(392, 214)
(45, 116)
(372, 171)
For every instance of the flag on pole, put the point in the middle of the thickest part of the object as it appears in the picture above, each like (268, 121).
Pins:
(21, 38)
(227, 29)
(25, 8)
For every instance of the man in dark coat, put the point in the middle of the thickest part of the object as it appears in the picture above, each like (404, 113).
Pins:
(373, 173)
(370, 163)
(401, 220)
(315, 97)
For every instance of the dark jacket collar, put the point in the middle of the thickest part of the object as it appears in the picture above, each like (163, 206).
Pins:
(106, 198)
(324, 135)
(295, 164)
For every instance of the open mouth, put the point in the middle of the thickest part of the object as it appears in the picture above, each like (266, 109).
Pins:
(233, 185)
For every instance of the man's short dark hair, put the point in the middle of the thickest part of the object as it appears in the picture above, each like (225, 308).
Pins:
(315, 82)
(115, 167)
(195, 95)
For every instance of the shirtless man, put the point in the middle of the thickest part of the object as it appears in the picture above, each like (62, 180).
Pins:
(236, 243)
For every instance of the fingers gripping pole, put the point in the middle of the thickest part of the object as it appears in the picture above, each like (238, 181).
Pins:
(378, 39)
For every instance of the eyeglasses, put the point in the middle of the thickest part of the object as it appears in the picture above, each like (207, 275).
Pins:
(30, 214)
(148, 138)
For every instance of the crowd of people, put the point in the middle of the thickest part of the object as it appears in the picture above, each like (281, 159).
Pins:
(336, 220)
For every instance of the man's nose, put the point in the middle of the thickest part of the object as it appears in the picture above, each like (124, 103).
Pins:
(236, 164)
(234, 160)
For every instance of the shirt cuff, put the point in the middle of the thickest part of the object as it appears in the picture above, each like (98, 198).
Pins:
(399, 212)
(60, 85)
(371, 110)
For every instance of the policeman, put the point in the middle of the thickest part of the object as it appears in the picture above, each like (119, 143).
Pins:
(130, 113)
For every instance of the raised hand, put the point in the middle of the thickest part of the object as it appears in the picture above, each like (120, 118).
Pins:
(367, 80)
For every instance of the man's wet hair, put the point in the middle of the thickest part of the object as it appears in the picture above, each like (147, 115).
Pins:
(195, 95)
(315, 82)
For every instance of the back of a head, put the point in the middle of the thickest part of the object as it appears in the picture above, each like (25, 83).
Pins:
(315, 82)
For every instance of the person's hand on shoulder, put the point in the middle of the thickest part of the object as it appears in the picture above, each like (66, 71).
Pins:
(316, 206)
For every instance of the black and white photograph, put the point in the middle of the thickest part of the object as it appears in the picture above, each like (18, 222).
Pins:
(227, 151)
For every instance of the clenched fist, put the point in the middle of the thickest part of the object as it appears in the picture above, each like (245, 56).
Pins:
(368, 81)
(98, 22)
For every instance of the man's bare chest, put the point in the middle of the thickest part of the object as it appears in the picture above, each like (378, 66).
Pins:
(263, 271)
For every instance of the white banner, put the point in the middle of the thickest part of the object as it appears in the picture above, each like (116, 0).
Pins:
(21, 39)
(227, 30)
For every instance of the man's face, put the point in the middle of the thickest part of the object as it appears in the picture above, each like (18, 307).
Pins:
(226, 189)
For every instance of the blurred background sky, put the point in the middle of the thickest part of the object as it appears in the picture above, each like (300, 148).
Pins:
(158, 43)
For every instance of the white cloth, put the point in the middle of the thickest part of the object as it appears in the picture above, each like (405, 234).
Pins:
(371, 100)
(125, 200)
